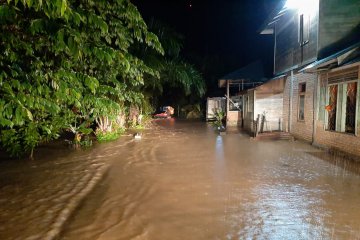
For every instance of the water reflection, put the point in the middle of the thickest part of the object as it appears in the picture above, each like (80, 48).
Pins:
(199, 185)
(219, 165)
(184, 181)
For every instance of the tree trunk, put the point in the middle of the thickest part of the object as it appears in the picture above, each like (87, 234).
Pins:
(31, 157)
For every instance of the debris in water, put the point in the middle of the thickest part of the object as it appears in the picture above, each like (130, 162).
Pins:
(137, 136)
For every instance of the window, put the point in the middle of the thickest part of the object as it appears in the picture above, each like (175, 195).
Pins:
(302, 90)
(350, 111)
(331, 108)
(341, 107)
(304, 29)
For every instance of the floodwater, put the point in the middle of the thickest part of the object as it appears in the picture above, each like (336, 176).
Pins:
(183, 181)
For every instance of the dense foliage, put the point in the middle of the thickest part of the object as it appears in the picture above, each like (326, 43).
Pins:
(67, 65)
(177, 77)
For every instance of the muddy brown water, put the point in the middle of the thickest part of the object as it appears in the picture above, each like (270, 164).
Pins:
(183, 181)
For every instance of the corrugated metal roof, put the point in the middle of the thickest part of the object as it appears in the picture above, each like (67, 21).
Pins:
(279, 10)
(252, 71)
(352, 51)
(252, 74)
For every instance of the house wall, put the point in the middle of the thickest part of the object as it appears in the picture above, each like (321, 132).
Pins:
(234, 118)
(266, 98)
(315, 112)
(270, 104)
(334, 25)
(301, 129)
(286, 104)
(343, 142)
(289, 51)
(339, 24)
(249, 110)
(269, 100)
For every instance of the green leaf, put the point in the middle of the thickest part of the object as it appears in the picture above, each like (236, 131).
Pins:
(85, 131)
(36, 26)
(6, 123)
(47, 130)
(29, 115)
(29, 3)
(63, 7)
(18, 116)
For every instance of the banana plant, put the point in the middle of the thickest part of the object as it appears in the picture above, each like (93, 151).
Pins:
(219, 116)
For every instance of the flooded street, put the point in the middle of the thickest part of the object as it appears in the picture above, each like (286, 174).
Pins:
(183, 181)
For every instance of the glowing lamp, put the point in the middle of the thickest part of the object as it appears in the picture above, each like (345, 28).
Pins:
(292, 4)
(305, 6)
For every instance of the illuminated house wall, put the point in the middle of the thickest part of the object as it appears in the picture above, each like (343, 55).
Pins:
(296, 36)
(309, 30)
(317, 45)
(339, 25)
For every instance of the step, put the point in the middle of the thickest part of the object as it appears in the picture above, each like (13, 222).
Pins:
(274, 136)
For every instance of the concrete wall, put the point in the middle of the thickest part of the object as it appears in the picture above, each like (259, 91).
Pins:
(266, 98)
(269, 100)
(271, 104)
(344, 142)
(234, 118)
(338, 141)
(298, 128)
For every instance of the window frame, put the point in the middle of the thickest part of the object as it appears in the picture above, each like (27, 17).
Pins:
(340, 113)
(301, 94)
(304, 29)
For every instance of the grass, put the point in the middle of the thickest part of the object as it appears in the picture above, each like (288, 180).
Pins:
(138, 127)
(110, 136)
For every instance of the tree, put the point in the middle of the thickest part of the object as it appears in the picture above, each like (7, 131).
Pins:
(175, 74)
(65, 64)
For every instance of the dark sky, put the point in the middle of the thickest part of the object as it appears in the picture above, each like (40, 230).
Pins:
(223, 32)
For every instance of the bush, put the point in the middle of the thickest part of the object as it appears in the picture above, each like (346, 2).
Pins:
(109, 136)
(219, 118)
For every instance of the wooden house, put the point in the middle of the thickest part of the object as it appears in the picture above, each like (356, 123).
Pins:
(316, 47)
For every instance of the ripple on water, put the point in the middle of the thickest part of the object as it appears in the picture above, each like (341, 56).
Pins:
(37, 198)
(185, 182)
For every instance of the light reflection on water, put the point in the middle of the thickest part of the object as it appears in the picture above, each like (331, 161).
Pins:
(183, 181)
(199, 185)
(219, 164)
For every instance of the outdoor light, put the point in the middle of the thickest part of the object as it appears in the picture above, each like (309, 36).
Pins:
(303, 5)
(293, 4)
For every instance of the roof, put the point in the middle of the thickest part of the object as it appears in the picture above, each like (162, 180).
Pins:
(274, 85)
(249, 74)
(348, 55)
(278, 11)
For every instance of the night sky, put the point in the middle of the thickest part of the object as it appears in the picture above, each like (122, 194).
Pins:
(220, 36)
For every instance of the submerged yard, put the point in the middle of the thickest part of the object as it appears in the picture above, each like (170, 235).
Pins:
(183, 181)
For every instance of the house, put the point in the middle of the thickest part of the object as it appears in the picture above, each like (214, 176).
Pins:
(263, 107)
(316, 47)
(235, 82)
